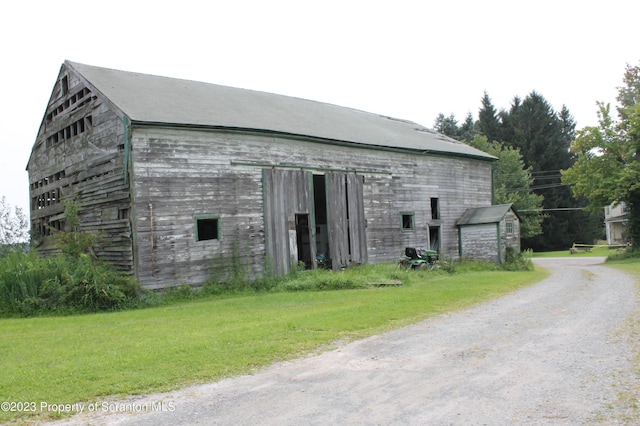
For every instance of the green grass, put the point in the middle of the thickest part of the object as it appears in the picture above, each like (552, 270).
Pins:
(87, 358)
(594, 252)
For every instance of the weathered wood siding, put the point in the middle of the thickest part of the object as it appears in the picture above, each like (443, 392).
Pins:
(286, 193)
(480, 242)
(489, 241)
(181, 173)
(510, 239)
(79, 155)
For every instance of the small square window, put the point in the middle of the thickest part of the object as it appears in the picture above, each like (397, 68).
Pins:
(207, 228)
(407, 221)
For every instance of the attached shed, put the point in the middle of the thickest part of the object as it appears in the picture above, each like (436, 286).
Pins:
(183, 178)
(486, 232)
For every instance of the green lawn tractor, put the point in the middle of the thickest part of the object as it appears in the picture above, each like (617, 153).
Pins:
(417, 258)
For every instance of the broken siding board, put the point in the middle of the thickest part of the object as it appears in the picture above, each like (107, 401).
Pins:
(92, 165)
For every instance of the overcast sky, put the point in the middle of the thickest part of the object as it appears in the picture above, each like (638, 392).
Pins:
(405, 59)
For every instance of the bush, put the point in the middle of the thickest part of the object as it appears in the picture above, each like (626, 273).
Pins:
(628, 253)
(517, 261)
(31, 285)
(21, 276)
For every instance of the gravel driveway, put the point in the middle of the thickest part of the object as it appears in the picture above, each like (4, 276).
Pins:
(554, 353)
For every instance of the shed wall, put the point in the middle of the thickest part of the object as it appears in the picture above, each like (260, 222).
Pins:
(480, 242)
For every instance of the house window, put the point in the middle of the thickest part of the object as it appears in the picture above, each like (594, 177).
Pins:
(435, 209)
(207, 227)
(510, 228)
(408, 221)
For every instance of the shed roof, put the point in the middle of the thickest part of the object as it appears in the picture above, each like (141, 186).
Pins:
(159, 100)
(483, 215)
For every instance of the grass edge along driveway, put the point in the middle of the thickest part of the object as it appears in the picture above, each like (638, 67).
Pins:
(90, 358)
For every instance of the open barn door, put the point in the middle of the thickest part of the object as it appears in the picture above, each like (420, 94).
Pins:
(345, 217)
(288, 218)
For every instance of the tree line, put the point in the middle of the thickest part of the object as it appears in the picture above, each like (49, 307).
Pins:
(532, 142)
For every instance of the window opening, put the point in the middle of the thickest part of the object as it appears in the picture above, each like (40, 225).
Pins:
(207, 228)
(408, 221)
(509, 227)
(435, 209)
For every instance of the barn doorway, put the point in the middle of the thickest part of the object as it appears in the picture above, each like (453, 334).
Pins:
(434, 238)
(303, 240)
(313, 218)
(320, 211)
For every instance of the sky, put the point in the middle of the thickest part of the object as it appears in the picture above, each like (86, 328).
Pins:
(408, 59)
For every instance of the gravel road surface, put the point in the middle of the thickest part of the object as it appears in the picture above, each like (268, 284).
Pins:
(554, 353)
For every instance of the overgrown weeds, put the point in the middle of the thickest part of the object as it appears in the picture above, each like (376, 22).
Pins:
(624, 254)
(33, 285)
(73, 281)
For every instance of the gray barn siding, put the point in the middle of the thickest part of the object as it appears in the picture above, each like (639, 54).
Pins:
(92, 163)
(183, 173)
(286, 193)
(480, 242)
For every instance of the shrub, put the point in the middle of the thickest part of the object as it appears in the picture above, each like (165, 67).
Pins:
(628, 253)
(517, 261)
(31, 285)
(20, 278)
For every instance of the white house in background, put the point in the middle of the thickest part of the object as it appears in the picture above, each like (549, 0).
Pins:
(615, 219)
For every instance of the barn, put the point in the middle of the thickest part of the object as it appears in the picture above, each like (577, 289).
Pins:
(182, 179)
(486, 232)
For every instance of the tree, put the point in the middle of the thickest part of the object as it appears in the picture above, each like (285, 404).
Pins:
(607, 169)
(14, 228)
(488, 120)
(467, 131)
(447, 125)
(544, 138)
(511, 184)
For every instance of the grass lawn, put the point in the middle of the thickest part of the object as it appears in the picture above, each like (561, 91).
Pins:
(594, 252)
(88, 358)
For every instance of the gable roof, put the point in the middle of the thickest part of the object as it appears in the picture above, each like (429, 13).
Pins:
(159, 100)
(483, 215)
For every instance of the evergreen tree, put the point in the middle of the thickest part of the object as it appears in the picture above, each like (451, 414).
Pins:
(544, 138)
(468, 129)
(488, 121)
(511, 183)
(447, 126)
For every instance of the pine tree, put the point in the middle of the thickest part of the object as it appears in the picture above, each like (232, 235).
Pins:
(544, 138)
(447, 125)
(488, 122)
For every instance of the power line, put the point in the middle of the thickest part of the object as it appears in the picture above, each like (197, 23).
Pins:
(557, 209)
(538, 187)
